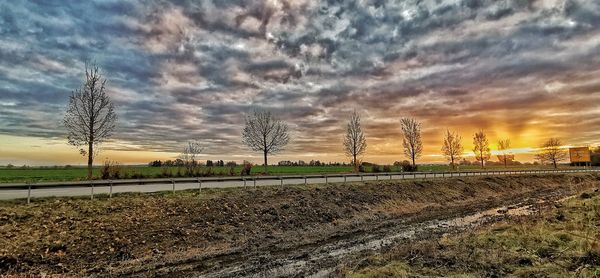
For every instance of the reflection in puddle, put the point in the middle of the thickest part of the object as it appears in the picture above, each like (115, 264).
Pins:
(337, 251)
(459, 222)
(342, 249)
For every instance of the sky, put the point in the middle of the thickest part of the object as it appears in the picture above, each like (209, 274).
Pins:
(184, 70)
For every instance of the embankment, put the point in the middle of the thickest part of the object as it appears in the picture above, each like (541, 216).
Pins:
(183, 233)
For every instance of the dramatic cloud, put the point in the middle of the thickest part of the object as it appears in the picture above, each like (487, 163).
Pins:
(182, 70)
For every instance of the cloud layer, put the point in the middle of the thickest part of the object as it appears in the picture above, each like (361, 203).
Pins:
(182, 70)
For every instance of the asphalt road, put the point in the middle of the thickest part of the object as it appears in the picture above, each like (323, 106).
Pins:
(83, 191)
(10, 194)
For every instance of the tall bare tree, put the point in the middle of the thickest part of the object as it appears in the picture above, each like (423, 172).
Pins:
(452, 147)
(411, 133)
(90, 118)
(550, 151)
(503, 147)
(481, 148)
(355, 143)
(265, 133)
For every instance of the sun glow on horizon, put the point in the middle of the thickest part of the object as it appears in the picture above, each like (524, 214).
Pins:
(34, 151)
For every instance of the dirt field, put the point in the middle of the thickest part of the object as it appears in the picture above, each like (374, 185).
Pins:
(270, 231)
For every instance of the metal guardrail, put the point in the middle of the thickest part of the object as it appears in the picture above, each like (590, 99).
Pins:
(245, 179)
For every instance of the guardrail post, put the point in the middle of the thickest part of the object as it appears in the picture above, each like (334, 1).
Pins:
(173, 183)
(244, 182)
(28, 192)
(199, 185)
(344, 179)
(305, 180)
(254, 179)
(390, 176)
(361, 177)
(326, 179)
(281, 179)
(425, 176)
(92, 195)
(376, 177)
(110, 189)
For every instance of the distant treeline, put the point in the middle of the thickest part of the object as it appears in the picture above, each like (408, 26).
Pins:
(311, 163)
(180, 163)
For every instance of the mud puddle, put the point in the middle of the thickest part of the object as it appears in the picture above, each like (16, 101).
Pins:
(310, 262)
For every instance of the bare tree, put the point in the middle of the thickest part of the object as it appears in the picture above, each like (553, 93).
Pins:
(551, 152)
(481, 148)
(189, 154)
(355, 143)
(503, 146)
(411, 132)
(90, 118)
(452, 147)
(263, 132)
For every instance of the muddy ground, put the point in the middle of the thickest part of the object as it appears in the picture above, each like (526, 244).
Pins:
(556, 239)
(289, 231)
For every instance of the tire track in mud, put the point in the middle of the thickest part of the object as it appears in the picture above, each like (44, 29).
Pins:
(311, 264)
(320, 259)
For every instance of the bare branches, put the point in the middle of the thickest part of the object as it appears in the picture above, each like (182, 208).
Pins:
(189, 154)
(411, 131)
(263, 132)
(355, 143)
(551, 152)
(90, 118)
(452, 147)
(503, 146)
(481, 148)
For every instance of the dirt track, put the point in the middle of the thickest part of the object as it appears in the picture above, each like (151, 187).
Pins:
(271, 231)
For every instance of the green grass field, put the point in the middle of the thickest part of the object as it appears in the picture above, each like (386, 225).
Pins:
(79, 173)
(45, 174)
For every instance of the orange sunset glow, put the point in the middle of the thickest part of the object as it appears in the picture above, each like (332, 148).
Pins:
(178, 73)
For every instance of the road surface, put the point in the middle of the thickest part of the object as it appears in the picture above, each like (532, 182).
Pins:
(10, 194)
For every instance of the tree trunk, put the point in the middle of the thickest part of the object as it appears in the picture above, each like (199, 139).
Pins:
(354, 163)
(452, 162)
(554, 162)
(413, 160)
(91, 143)
(90, 158)
(266, 170)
